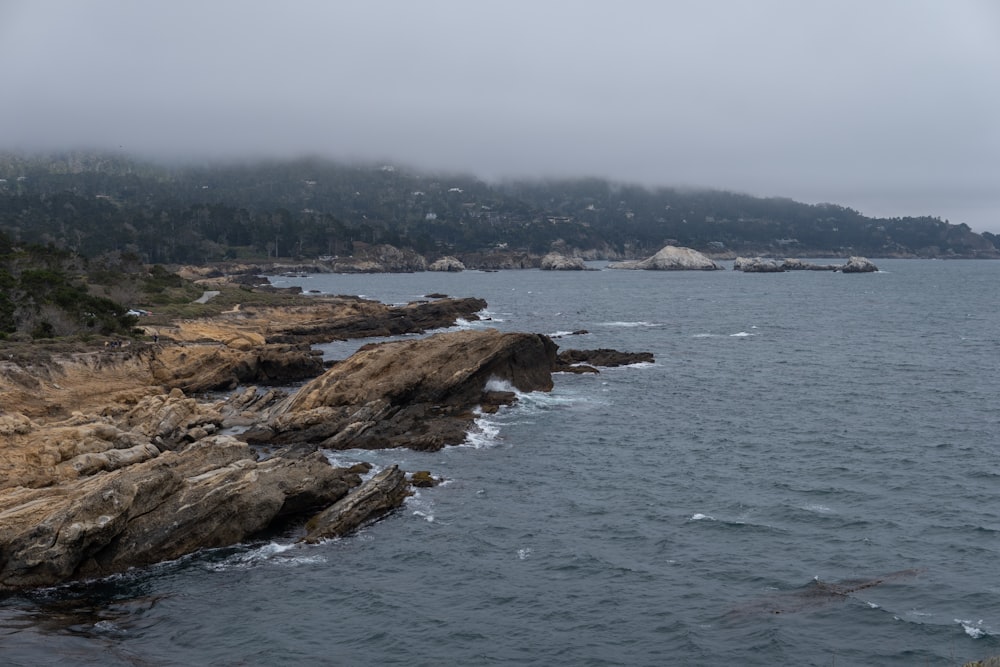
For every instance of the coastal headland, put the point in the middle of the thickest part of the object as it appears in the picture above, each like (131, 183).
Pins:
(211, 431)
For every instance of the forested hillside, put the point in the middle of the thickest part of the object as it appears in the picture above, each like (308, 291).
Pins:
(303, 209)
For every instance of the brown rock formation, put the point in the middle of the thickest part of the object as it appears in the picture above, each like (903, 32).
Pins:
(372, 500)
(418, 394)
(603, 357)
(212, 493)
(110, 460)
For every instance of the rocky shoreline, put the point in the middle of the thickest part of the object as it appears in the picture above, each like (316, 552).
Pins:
(119, 458)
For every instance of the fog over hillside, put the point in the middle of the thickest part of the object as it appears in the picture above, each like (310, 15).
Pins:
(890, 108)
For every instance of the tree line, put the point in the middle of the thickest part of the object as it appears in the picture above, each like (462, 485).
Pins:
(94, 204)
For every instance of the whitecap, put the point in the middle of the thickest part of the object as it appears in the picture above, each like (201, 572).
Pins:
(819, 509)
(973, 629)
(741, 334)
(630, 324)
(424, 515)
(701, 517)
(522, 554)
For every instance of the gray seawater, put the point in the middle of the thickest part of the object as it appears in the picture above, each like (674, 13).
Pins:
(795, 429)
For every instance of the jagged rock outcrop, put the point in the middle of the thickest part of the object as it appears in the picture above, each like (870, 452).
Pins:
(448, 264)
(858, 265)
(418, 394)
(113, 459)
(376, 497)
(211, 493)
(603, 357)
(555, 261)
(671, 258)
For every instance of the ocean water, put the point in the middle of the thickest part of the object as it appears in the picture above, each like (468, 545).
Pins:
(800, 438)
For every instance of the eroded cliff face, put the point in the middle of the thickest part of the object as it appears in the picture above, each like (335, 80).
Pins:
(419, 394)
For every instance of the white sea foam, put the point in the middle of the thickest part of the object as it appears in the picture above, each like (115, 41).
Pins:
(522, 554)
(820, 509)
(640, 323)
(741, 334)
(108, 627)
(339, 462)
(484, 433)
(488, 316)
(973, 629)
(421, 506)
(701, 517)
(498, 384)
(271, 552)
(336, 461)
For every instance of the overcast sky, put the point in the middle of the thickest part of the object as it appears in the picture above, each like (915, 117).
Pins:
(888, 106)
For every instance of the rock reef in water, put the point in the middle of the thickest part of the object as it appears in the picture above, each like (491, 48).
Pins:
(671, 258)
(583, 360)
(767, 265)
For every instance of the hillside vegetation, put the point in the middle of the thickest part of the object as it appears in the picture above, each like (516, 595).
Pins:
(304, 209)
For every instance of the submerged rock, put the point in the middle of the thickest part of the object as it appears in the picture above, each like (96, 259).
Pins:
(818, 593)
(671, 258)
